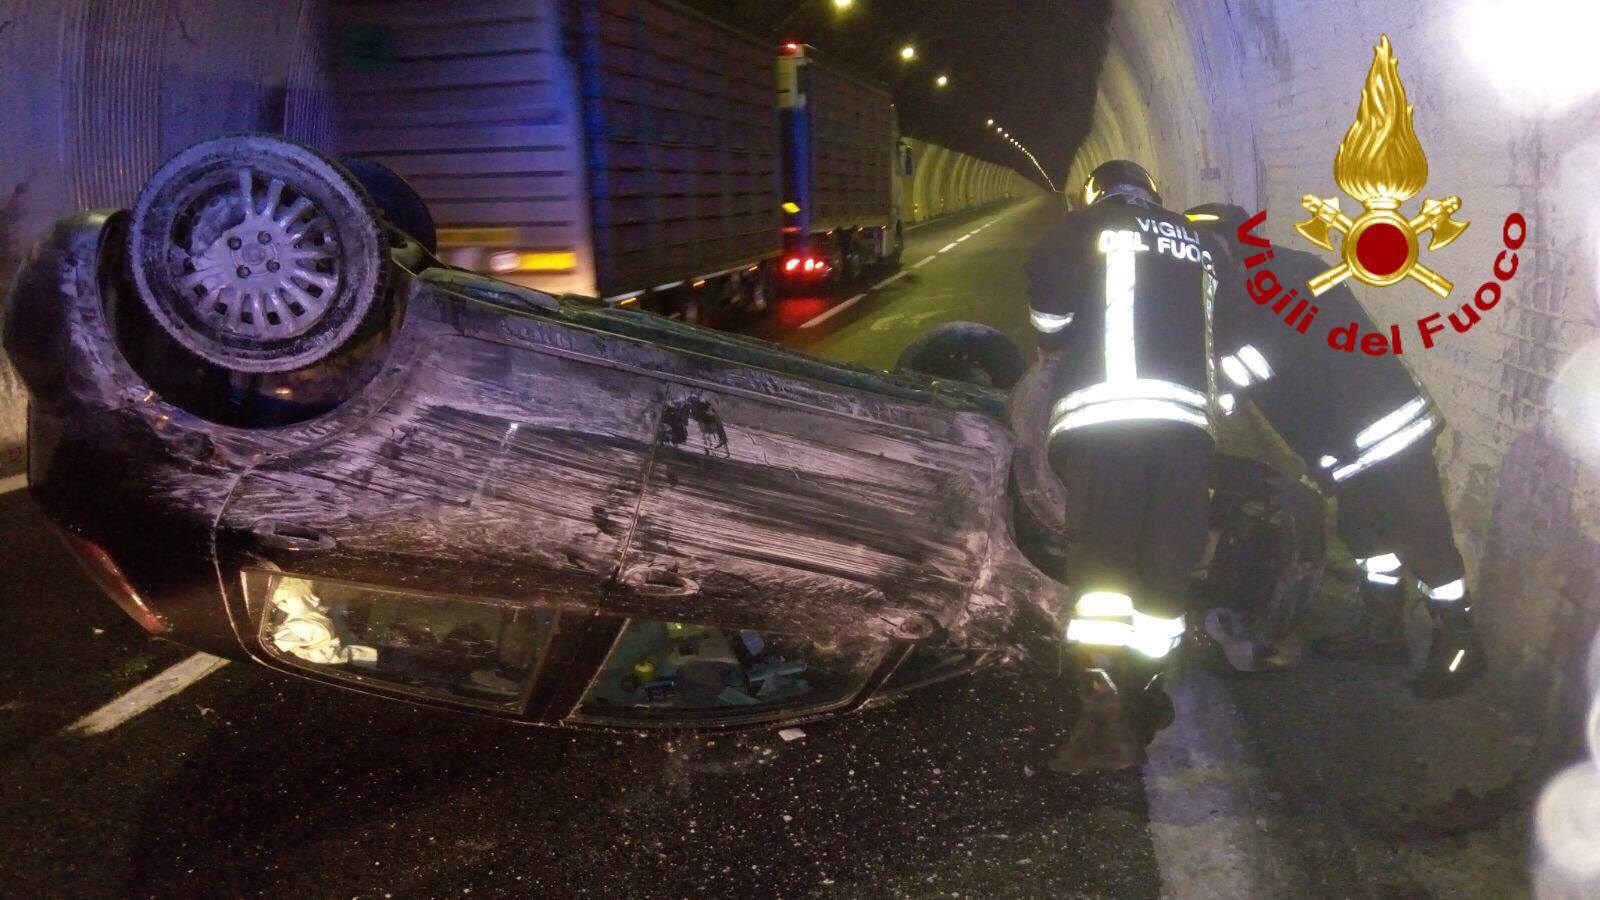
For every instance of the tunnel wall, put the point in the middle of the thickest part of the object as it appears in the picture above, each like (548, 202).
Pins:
(1246, 100)
(947, 181)
(98, 94)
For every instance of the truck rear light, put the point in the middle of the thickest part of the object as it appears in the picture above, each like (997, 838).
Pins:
(805, 265)
(104, 572)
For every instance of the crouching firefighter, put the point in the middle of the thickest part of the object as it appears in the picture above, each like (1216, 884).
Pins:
(1367, 428)
(1121, 294)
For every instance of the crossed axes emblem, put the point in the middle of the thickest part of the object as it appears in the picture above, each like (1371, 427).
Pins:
(1374, 265)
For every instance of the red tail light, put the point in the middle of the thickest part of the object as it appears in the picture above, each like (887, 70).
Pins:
(805, 265)
(104, 572)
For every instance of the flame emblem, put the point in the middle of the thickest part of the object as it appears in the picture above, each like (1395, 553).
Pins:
(1380, 163)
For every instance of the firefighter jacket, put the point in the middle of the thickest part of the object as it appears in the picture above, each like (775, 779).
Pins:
(1123, 292)
(1344, 412)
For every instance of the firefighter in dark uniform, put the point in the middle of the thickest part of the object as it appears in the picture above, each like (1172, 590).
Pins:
(1367, 429)
(1121, 294)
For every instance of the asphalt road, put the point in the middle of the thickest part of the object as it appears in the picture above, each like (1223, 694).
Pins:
(247, 784)
(1327, 781)
(966, 267)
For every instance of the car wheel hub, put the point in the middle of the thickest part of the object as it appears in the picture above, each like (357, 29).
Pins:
(273, 274)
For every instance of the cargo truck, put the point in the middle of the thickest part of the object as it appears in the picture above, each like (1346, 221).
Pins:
(639, 152)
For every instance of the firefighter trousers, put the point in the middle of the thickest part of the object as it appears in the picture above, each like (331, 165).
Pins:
(1398, 507)
(1137, 496)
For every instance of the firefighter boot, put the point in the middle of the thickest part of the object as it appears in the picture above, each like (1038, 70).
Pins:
(1454, 655)
(1125, 704)
(1379, 636)
(1107, 735)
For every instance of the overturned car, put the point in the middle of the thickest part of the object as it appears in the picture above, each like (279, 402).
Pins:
(272, 426)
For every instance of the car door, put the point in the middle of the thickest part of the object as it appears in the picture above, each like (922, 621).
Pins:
(485, 501)
(813, 511)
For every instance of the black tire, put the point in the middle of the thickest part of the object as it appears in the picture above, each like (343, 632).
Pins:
(965, 351)
(399, 201)
(257, 254)
(850, 255)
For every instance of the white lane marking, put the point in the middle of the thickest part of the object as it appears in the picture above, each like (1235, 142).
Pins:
(965, 236)
(925, 260)
(948, 247)
(13, 483)
(147, 694)
(890, 280)
(1208, 831)
(823, 317)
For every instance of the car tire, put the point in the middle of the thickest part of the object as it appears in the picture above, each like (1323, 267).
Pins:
(257, 254)
(396, 198)
(965, 351)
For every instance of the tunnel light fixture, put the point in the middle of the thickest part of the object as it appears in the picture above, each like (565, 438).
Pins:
(989, 123)
(842, 5)
(1025, 152)
(908, 53)
(942, 81)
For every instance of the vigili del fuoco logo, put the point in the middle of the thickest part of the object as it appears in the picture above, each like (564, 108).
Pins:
(1381, 164)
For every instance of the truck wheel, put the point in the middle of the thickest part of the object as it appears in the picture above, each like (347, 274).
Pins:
(257, 254)
(965, 351)
(399, 201)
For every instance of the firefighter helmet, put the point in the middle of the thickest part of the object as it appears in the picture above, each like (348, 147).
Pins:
(1115, 177)
(1221, 216)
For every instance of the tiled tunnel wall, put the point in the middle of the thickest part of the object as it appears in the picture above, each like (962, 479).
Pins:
(1246, 100)
(946, 181)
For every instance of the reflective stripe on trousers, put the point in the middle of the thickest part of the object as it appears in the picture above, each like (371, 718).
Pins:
(1108, 619)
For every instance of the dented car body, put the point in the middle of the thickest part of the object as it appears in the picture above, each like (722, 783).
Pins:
(273, 426)
(533, 507)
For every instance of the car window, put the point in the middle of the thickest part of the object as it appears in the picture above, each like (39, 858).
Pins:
(667, 672)
(466, 651)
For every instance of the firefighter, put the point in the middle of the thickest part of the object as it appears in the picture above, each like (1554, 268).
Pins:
(1121, 294)
(1365, 426)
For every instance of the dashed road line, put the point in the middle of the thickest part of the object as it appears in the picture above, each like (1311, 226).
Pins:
(823, 317)
(830, 313)
(890, 280)
(167, 684)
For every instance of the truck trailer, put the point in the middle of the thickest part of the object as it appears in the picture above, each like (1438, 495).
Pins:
(638, 152)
